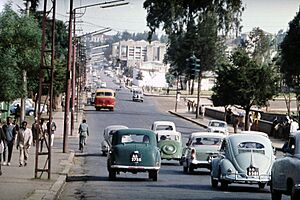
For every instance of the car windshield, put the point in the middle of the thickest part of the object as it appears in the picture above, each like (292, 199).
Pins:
(164, 127)
(132, 138)
(108, 94)
(206, 141)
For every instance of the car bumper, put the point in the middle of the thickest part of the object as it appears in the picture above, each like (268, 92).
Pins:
(200, 164)
(243, 178)
(134, 168)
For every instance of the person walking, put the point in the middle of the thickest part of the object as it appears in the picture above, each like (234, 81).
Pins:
(52, 129)
(1, 148)
(83, 133)
(24, 141)
(17, 114)
(10, 134)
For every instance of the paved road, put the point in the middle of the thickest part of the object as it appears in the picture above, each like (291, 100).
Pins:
(89, 178)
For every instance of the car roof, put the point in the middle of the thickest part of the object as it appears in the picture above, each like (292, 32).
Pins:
(104, 90)
(137, 131)
(219, 121)
(207, 134)
(164, 123)
(114, 127)
(247, 137)
(256, 132)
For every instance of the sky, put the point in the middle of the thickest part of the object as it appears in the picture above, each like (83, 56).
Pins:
(269, 15)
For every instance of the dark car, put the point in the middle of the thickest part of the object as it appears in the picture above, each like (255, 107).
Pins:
(134, 150)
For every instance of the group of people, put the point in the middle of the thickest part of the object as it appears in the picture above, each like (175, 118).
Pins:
(12, 134)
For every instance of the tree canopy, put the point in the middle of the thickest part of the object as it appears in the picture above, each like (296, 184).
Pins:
(244, 83)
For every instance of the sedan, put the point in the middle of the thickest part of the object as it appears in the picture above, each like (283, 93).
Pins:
(245, 159)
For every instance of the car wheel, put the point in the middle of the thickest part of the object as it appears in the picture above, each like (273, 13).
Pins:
(104, 153)
(112, 174)
(214, 183)
(153, 175)
(275, 194)
(224, 185)
(261, 185)
(97, 109)
(295, 194)
(31, 113)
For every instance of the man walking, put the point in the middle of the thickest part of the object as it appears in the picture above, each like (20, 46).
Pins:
(83, 133)
(1, 148)
(9, 133)
(24, 141)
(51, 128)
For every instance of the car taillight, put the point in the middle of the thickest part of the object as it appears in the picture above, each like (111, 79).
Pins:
(193, 154)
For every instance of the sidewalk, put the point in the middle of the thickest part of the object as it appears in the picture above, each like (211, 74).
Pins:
(203, 122)
(19, 182)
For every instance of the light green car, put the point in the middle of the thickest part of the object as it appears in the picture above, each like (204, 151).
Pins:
(170, 144)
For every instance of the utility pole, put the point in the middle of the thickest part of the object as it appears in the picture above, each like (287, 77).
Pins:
(67, 95)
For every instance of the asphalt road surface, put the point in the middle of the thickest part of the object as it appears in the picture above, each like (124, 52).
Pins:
(89, 177)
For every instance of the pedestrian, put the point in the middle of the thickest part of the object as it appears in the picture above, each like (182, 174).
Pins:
(228, 116)
(236, 124)
(52, 129)
(43, 134)
(294, 126)
(34, 130)
(250, 121)
(83, 133)
(1, 148)
(24, 141)
(17, 114)
(9, 134)
(256, 117)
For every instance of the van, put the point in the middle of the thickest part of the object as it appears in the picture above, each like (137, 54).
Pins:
(105, 98)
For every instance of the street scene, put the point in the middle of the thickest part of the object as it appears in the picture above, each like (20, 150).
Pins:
(130, 99)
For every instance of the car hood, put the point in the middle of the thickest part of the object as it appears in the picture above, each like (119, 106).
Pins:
(262, 162)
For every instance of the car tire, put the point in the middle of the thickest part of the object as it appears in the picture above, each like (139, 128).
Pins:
(112, 174)
(153, 175)
(261, 185)
(224, 185)
(295, 194)
(214, 183)
(275, 194)
(104, 153)
(31, 113)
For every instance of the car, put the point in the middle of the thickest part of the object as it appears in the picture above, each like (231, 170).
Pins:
(217, 126)
(29, 110)
(137, 95)
(200, 149)
(163, 125)
(103, 85)
(107, 135)
(134, 150)
(170, 144)
(245, 159)
(285, 176)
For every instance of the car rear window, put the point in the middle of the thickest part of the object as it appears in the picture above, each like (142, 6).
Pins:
(107, 94)
(246, 147)
(164, 127)
(206, 141)
(217, 124)
(132, 138)
(168, 137)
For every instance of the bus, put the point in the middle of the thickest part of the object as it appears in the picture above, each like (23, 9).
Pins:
(105, 99)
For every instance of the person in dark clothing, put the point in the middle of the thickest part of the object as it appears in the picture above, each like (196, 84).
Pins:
(9, 141)
(83, 133)
(2, 138)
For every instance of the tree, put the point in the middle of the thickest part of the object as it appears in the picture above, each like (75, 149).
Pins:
(19, 50)
(290, 57)
(253, 84)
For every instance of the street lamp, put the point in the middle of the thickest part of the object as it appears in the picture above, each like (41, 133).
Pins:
(69, 65)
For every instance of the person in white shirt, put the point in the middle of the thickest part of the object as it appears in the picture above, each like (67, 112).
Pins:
(24, 141)
(294, 126)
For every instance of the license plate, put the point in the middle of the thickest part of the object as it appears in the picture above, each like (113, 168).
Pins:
(136, 157)
(252, 171)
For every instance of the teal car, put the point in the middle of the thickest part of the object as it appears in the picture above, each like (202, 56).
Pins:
(170, 144)
(134, 150)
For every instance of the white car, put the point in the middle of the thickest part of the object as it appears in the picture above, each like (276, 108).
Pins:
(163, 125)
(107, 135)
(217, 126)
(285, 174)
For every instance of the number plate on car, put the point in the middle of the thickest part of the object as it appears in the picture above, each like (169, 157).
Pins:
(136, 157)
(252, 171)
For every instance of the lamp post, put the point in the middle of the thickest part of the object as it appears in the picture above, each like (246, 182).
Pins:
(71, 70)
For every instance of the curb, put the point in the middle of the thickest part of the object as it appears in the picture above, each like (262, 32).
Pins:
(188, 119)
(54, 191)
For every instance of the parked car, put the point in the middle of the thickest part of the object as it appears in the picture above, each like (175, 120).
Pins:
(107, 135)
(138, 95)
(134, 150)
(217, 126)
(170, 144)
(163, 125)
(200, 149)
(243, 158)
(285, 176)
(29, 107)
